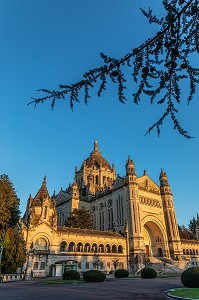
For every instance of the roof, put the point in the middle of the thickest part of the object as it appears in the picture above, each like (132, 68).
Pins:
(90, 232)
(96, 158)
(42, 194)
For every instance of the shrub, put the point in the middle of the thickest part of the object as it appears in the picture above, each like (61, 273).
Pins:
(121, 273)
(71, 275)
(148, 273)
(94, 276)
(190, 277)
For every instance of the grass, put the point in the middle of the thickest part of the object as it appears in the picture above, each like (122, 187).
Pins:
(191, 293)
(59, 281)
(164, 275)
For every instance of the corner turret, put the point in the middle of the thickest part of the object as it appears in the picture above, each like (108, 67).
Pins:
(130, 170)
(74, 195)
(164, 185)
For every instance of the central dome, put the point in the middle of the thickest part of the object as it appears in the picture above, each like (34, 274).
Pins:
(96, 158)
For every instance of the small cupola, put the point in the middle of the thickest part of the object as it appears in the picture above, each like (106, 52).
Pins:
(130, 167)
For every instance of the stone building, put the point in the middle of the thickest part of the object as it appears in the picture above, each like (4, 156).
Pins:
(133, 218)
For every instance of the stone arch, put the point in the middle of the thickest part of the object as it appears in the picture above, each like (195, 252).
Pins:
(120, 249)
(108, 248)
(80, 247)
(63, 246)
(71, 247)
(94, 248)
(87, 247)
(41, 244)
(46, 237)
(114, 248)
(101, 248)
(155, 237)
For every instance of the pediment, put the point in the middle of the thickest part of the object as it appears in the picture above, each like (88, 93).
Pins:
(146, 183)
(42, 224)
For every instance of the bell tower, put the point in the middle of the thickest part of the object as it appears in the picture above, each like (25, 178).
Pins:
(170, 217)
(133, 214)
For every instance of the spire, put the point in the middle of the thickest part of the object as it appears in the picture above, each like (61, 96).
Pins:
(42, 193)
(44, 181)
(96, 146)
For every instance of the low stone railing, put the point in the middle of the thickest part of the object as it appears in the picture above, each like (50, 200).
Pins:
(11, 277)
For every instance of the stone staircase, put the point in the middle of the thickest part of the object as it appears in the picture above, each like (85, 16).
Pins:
(163, 265)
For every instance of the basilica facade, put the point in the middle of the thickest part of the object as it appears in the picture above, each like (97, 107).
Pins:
(133, 218)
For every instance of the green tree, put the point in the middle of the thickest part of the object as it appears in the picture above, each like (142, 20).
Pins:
(185, 233)
(14, 247)
(192, 225)
(9, 204)
(158, 66)
(14, 251)
(80, 218)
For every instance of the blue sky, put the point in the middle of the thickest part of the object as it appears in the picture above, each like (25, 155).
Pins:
(47, 42)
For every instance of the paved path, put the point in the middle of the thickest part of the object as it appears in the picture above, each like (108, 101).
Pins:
(142, 289)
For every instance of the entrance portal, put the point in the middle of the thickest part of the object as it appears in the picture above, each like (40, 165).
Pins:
(153, 239)
(159, 252)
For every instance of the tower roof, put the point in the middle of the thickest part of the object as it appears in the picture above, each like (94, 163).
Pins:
(96, 158)
(42, 193)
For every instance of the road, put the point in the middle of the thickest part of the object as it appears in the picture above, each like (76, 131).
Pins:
(142, 289)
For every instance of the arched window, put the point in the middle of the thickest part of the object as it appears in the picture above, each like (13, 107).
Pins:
(97, 179)
(184, 252)
(40, 244)
(63, 246)
(87, 247)
(94, 248)
(101, 248)
(119, 206)
(61, 218)
(120, 249)
(108, 248)
(196, 252)
(79, 247)
(71, 247)
(193, 251)
(187, 252)
(190, 252)
(114, 249)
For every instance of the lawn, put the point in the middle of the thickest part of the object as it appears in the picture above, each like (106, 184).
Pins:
(59, 281)
(164, 275)
(189, 293)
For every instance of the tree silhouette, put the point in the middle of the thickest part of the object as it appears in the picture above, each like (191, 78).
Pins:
(80, 218)
(9, 204)
(159, 65)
